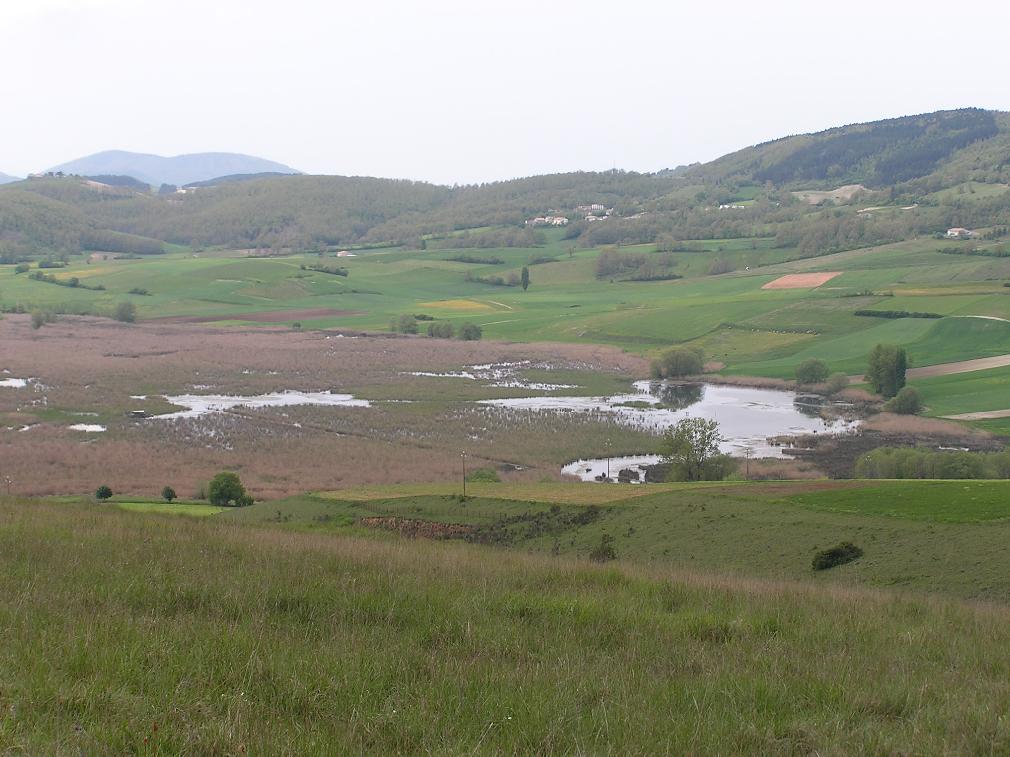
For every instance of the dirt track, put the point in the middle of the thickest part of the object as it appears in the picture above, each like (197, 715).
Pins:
(949, 369)
(963, 366)
(981, 416)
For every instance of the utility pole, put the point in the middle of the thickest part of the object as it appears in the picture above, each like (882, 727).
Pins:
(608, 459)
(463, 457)
(748, 453)
(8, 481)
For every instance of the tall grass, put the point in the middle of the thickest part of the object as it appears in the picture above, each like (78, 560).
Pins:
(140, 634)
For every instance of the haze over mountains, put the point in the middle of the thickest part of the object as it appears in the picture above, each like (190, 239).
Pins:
(178, 170)
(7, 179)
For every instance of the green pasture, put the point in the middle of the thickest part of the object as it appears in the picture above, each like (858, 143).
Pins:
(932, 536)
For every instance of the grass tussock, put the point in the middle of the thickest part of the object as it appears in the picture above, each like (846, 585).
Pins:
(132, 633)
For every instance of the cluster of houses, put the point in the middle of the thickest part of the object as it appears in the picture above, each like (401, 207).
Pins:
(547, 221)
(589, 213)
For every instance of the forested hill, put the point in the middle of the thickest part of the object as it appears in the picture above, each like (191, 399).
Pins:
(877, 154)
(178, 170)
(939, 170)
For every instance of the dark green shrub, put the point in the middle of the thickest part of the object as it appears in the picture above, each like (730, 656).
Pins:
(484, 476)
(604, 551)
(680, 361)
(470, 332)
(844, 553)
(441, 330)
(908, 401)
(226, 490)
(103, 492)
(125, 312)
(836, 383)
(168, 494)
(812, 371)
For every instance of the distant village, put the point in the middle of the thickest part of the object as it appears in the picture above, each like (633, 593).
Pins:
(589, 214)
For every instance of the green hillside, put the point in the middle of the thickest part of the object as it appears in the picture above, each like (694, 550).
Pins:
(924, 173)
(877, 154)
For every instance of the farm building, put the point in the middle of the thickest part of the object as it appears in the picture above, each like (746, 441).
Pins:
(959, 233)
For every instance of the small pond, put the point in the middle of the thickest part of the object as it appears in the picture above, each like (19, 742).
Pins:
(203, 404)
(749, 418)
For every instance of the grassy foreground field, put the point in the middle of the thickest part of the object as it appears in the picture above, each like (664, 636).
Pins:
(129, 632)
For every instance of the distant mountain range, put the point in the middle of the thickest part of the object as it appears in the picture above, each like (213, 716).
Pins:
(179, 170)
(6, 179)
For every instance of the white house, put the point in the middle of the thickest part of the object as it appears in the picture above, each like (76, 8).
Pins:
(959, 233)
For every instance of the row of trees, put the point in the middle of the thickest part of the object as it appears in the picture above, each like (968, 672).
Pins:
(224, 490)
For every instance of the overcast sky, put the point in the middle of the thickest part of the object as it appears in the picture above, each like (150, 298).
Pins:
(472, 91)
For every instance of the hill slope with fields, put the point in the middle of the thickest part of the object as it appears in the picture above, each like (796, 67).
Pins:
(919, 174)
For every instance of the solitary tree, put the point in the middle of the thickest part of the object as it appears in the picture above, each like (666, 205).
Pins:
(168, 494)
(886, 372)
(524, 277)
(407, 324)
(226, 490)
(906, 402)
(103, 492)
(470, 332)
(680, 361)
(812, 371)
(691, 448)
(125, 312)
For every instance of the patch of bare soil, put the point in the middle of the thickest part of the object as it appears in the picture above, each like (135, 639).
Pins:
(802, 280)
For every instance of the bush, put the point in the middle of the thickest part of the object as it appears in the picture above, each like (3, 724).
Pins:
(470, 332)
(895, 314)
(680, 361)
(443, 330)
(720, 266)
(908, 401)
(836, 383)
(405, 324)
(103, 492)
(38, 319)
(812, 371)
(168, 494)
(484, 476)
(913, 462)
(604, 551)
(845, 552)
(125, 312)
(226, 490)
